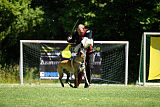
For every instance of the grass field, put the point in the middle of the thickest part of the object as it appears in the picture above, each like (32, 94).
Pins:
(95, 96)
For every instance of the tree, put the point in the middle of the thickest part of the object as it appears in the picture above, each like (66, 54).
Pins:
(17, 21)
(54, 19)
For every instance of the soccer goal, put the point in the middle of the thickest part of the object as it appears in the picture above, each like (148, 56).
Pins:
(39, 59)
(149, 70)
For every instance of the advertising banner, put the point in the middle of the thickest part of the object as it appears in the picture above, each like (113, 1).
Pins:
(53, 53)
(154, 68)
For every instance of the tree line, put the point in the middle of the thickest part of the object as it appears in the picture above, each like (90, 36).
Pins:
(54, 19)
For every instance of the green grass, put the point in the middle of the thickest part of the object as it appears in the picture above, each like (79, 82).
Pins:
(95, 96)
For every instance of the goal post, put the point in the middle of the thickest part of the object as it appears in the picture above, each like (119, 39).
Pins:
(149, 70)
(39, 59)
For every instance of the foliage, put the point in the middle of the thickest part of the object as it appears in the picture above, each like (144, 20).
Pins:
(17, 17)
(9, 74)
(17, 21)
(54, 19)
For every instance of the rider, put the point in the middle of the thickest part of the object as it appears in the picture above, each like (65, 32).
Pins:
(77, 38)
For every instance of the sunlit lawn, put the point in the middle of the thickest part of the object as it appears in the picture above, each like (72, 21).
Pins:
(95, 96)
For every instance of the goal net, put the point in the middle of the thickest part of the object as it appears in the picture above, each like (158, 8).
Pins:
(39, 59)
(149, 70)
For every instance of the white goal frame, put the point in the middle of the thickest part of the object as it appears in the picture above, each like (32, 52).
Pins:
(58, 41)
(144, 36)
